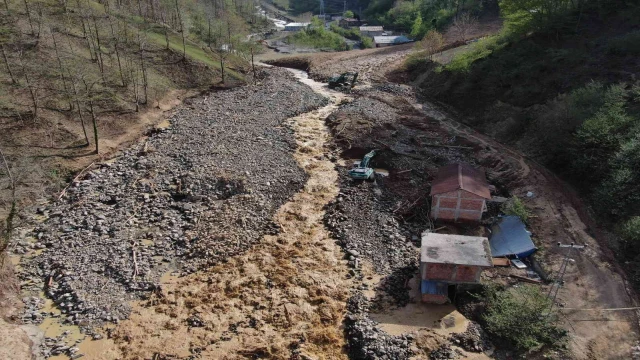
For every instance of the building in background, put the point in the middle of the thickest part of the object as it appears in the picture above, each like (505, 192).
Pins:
(382, 41)
(296, 26)
(372, 30)
(349, 22)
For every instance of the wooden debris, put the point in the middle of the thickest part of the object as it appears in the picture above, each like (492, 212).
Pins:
(526, 279)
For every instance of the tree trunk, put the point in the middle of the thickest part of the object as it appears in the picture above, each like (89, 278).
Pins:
(222, 67)
(209, 35)
(144, 70)
(6, 62)
(32, 91)
(184, 45)
(4, 242)
(26, 5)
(95, 124)
(64, 80)
(253, 67)
(99, 49)
(115, 39)
(6, 5)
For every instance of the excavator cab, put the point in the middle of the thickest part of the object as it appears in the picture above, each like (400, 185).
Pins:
(344, 82)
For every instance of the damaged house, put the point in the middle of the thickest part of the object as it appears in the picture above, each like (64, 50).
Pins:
(450, 260)
(459, 193)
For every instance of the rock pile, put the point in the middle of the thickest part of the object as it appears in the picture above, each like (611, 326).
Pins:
(366, 340)
(194, 194)
(473, 339)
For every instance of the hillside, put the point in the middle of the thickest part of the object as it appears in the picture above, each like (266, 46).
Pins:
(74, 73)
(563, 89)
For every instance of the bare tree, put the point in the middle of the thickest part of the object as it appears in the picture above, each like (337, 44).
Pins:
(8, 225)
(116, 46)
(463, 26)
(91, 96)
(26, 5)
(184, 45)
(431, 43)
(33, 91)
(61, 66)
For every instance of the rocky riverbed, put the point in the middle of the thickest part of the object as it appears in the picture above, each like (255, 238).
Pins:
(190, 196)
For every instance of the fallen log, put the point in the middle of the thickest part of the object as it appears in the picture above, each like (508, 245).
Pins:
(64, 191)
(526, 279)
(449, 146)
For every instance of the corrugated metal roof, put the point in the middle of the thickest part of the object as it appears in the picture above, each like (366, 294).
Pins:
(400, 39)
(509, 236)
(460, 176)
(455, 249)
(371, 28)
(434, 288)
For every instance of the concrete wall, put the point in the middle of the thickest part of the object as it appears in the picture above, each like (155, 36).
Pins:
(435, 299)
(457, 205)
(450, 273)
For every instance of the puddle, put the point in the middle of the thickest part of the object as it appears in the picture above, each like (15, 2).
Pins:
(382, 172)
(442, 319)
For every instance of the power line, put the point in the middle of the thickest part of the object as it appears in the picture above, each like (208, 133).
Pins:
(555, 287)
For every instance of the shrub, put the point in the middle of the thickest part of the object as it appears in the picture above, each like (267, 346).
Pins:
(628, 44)
(520, 318)
(515, 206)
(461, 63)
(318, 37)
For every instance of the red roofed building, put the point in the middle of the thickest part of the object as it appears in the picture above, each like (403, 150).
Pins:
(459, 193)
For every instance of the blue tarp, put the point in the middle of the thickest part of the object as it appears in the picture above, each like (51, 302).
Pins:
(509, 237)
(434, 288)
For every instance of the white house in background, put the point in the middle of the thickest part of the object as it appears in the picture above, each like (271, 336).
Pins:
(371, 30)
(296, 26)
(382, 41)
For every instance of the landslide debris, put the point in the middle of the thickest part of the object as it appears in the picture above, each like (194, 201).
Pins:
(191, 196)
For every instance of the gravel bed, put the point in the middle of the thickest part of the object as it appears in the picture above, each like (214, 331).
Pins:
(195, 194)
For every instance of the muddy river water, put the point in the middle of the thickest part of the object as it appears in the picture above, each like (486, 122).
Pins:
(299, 277)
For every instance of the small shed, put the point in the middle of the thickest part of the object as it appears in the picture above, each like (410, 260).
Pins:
(349, 22)
(382, 41)
(296, 26)
(371, 30)
(434, 292)
(459, 192)
(509, 237)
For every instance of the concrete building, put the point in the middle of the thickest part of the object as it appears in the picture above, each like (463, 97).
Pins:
(450, 260)
(371, 30)
(296, 26)
(382, 41)
(459, 193)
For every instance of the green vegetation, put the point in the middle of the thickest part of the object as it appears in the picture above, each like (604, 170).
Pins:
(412, 17)
(316, 36)
(515, 206)
(520, 318)
(561, 84)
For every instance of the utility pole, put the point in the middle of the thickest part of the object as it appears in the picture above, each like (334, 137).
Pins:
(322, 8)
(555, 287)
(344, 6)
